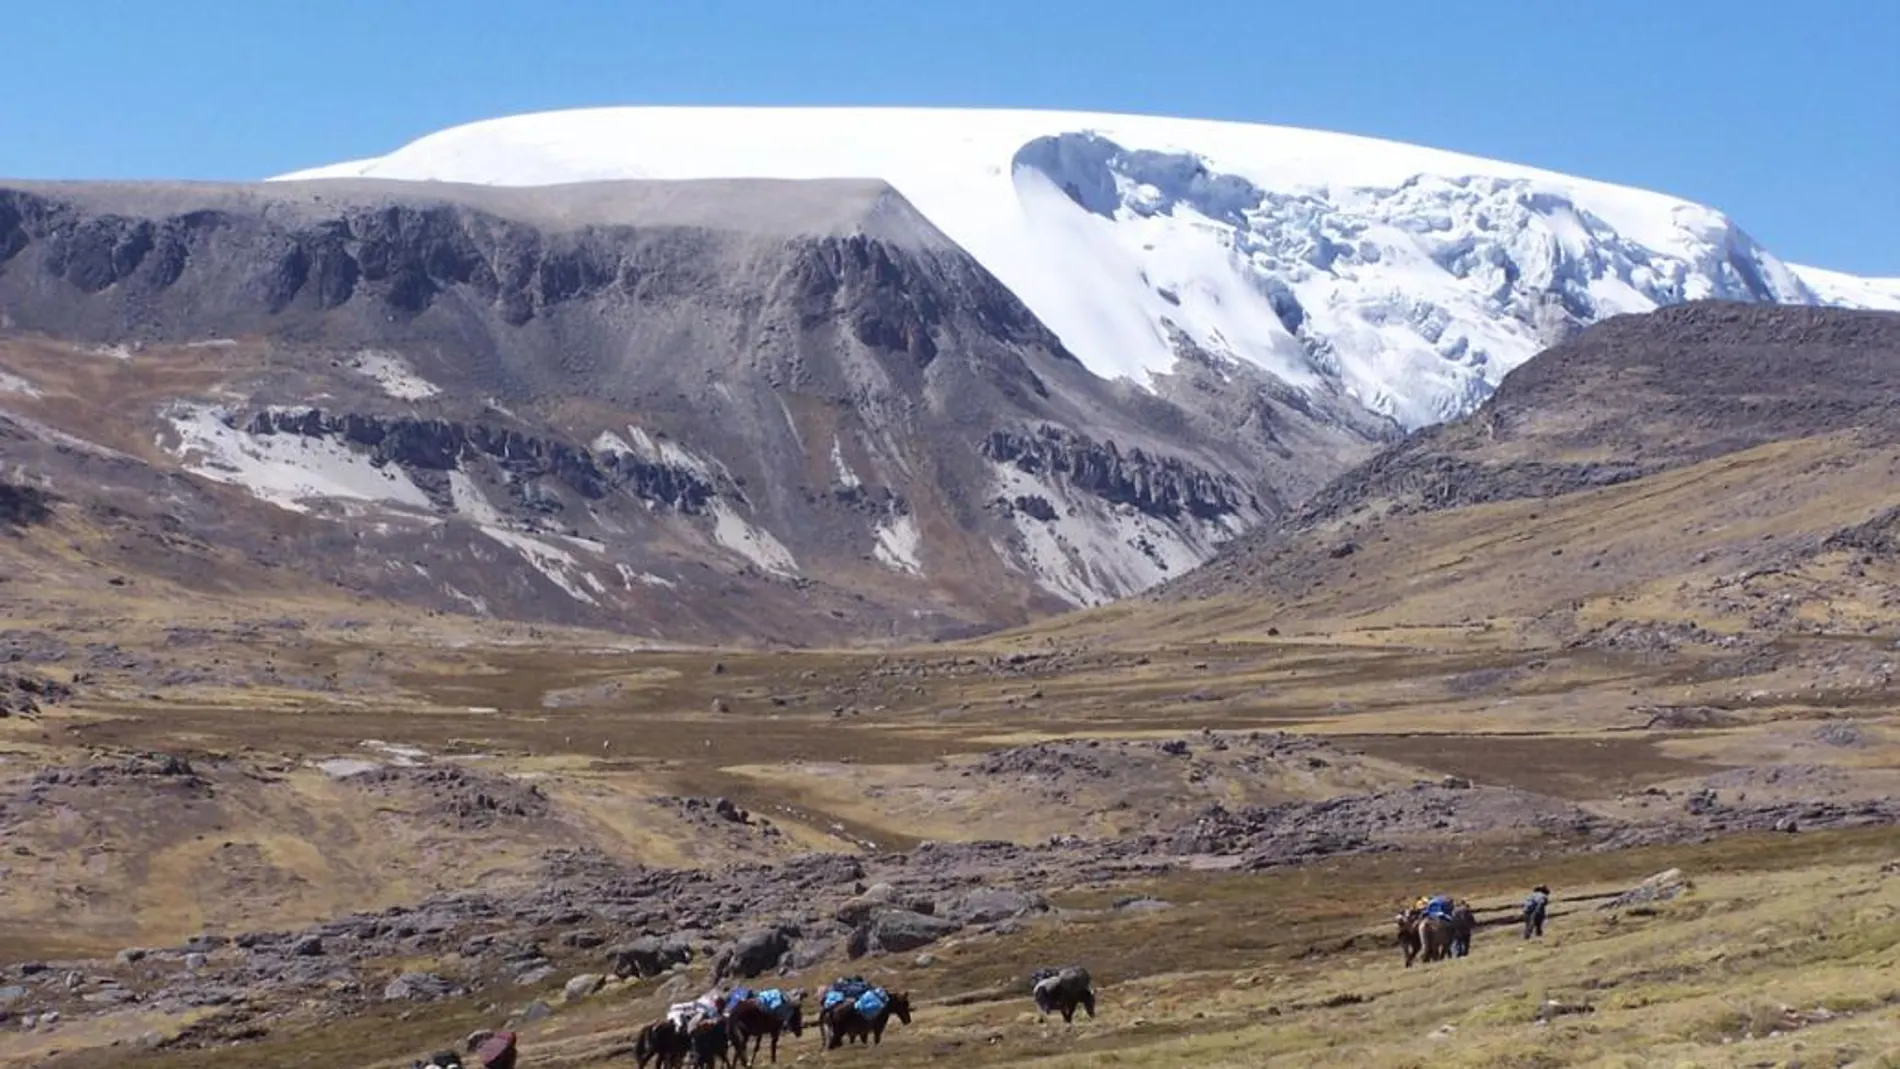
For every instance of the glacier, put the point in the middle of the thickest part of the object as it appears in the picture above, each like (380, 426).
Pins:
(1410, 278)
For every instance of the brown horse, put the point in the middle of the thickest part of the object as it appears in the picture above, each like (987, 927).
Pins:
(1434, 938)
(845, 1022)
(711, 1041)
(752, 1021)
(1408, 935)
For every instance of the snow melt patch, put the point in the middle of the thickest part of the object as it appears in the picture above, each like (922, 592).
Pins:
(846, 477)
(470, 503)
(752, 542)
(1093, 552)
(345, 767)
(10, 383)
(394, 375)
(629, 578)
(286, 470)
(654, 450)
(557, 564)
(553, 562)
(899, 544)
(399, 755)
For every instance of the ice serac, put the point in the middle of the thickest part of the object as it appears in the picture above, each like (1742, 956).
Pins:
(1405, 278)
(710, 409)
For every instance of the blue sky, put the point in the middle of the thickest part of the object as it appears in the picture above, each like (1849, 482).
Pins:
(1785, 115)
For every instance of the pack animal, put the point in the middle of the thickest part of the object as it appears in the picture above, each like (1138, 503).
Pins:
(864, 1019)
(766, 1014)
(1063, 990)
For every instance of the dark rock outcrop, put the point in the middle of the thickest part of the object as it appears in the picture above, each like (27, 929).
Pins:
(1163, 487)
(441, 446)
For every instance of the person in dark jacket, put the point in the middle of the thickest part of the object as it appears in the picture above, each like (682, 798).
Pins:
(1535, 908)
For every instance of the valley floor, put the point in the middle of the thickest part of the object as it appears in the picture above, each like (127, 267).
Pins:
(1229, 885)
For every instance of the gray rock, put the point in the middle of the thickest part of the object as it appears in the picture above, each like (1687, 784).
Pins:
(11, 994)
(991, 906)
(309, 946)
(895, 931)
(1662, 887)
(809, 953)
(534, 1011)
(648, 957)
(196, 962)
(582, 986)
(533, 976)
(418, 987)
(879, 897)
(754, 953)
(583, 939)
(131, 956)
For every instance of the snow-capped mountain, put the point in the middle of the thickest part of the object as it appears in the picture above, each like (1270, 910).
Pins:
(709, 410)
(1411, 278)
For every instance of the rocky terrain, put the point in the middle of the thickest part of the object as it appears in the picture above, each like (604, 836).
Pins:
(723, 410)
(1726, 450)
(589, 915)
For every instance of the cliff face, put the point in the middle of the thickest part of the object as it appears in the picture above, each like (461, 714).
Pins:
(686, 409)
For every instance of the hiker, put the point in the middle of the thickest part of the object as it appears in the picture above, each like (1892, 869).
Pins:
(1535, 907)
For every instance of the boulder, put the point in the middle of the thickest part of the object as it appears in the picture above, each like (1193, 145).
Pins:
(417, 987)
(309, 946)
(755, 953)
(991, 906)
(879, 897)
(533, 975)
(898, 930)
(648, 957)
(1663, 886)
(582, 986)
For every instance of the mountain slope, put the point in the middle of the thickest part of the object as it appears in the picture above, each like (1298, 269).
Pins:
(1713, 473)
(791, 410)
(1413, 279)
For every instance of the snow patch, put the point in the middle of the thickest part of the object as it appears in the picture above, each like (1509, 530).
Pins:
(754, 543)
(287, 470)
(557, 564)
(1093, 552)
(471, 504)
(629, 578)
(394, 375)
(899, 544)
(846, 477)
(10, 383)
(476, 604)
(345, 767)
(399, 755)
(1851, 291)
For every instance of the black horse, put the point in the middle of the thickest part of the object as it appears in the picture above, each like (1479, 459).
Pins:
(844, 1021)
(662, 1042)
(712, 1045)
